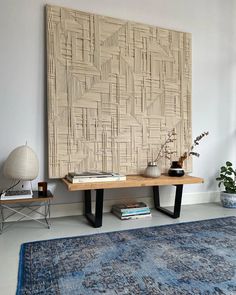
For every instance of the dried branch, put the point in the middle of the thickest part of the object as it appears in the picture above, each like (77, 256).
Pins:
(164, 151)
(191, 152)
(197, 139)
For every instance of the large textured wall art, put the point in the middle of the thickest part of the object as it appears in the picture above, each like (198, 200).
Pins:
(115, 90)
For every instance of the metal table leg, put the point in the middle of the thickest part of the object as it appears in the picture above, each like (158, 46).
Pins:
(17, 211)
(2, 219)
(96, 218)
(178, 200)
(47, 213)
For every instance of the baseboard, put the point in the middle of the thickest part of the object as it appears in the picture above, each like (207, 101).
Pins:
(198, 198)
(62, 210)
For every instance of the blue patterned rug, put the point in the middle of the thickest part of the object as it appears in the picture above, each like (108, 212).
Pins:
(187, 258)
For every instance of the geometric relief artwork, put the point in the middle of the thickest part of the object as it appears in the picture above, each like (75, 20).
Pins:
(115, 90)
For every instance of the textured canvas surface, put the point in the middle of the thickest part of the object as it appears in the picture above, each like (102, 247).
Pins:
(115, 89)
(180, 259)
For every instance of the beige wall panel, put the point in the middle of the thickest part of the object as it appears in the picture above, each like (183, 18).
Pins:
(115, 89)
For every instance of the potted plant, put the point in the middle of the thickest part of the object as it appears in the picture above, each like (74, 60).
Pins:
(227, 178)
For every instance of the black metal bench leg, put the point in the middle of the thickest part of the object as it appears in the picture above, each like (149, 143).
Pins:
(96, 218)
(156, 196)
(87, 202)
(178, 200)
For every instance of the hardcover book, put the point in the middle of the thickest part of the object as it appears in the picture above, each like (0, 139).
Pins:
(135, 216)
(89, 174)
(130, 206)
(14, 195)
(132, 211)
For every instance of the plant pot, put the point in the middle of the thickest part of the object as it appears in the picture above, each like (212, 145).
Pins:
(228, 200)
(176, 169)
(152, 170)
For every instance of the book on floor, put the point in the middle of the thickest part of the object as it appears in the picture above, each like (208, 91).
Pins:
(129, 207)
(132, 210)
(124, 213)
(132, 216)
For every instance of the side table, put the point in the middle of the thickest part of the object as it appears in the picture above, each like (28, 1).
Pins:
(20, 204)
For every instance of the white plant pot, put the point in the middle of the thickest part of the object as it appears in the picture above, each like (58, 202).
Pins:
(152, 170)
(228, 200)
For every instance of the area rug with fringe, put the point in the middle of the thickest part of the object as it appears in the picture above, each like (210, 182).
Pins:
(185, 258)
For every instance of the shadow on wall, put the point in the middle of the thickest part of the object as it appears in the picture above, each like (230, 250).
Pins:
(4, 181)
(61, 194)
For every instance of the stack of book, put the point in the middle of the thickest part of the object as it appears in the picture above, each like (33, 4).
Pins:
(83, 177)
(131, 210)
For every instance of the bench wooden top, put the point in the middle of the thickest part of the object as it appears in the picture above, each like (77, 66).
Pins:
(134, 181)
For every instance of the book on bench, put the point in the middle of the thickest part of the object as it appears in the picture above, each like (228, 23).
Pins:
(94, 177)
(88, 174)
(131, 210)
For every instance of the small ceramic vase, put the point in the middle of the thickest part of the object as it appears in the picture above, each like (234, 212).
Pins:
(175, 169)
(152, 170)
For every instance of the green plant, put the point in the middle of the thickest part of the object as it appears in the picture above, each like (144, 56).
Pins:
(227, 178)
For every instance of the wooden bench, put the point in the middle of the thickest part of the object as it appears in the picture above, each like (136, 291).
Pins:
(131, 181)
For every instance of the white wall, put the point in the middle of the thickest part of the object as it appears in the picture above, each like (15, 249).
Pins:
(23, 77)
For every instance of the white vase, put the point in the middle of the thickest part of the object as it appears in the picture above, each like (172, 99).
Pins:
(152, 170)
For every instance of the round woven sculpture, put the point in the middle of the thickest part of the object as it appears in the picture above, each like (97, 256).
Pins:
(22, 164)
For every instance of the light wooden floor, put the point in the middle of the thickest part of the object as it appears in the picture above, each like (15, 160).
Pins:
(19, 233)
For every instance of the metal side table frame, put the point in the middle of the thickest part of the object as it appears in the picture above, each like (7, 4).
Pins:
(33, 206)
